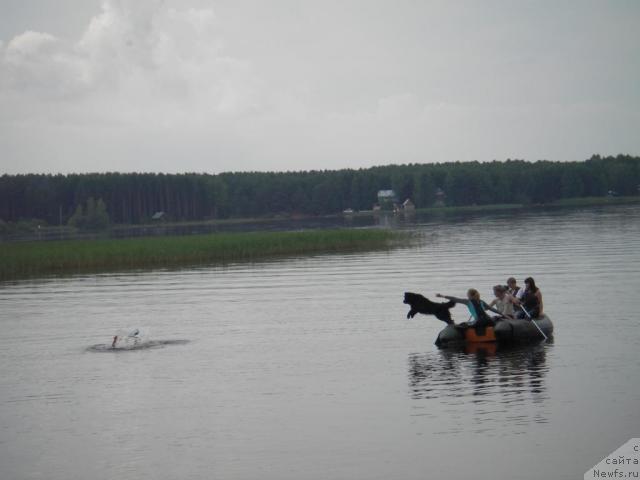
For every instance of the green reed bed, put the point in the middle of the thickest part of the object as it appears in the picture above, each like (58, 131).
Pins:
(18, 260)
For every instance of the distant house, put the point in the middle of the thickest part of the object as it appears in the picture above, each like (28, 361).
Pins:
(408, 206)
(158, 216)
(387, 199)
(387, 194)
(440, 198)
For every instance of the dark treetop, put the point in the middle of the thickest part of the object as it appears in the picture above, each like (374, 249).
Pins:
(136, 197)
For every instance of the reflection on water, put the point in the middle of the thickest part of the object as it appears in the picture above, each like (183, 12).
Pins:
(303, 367)
(498, 386)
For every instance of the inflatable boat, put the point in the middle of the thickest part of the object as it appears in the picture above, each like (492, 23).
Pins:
(505, 330)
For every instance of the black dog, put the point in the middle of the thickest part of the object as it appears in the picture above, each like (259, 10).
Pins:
(420, 304)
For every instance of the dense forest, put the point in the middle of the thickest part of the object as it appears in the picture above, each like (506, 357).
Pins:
(135, 197)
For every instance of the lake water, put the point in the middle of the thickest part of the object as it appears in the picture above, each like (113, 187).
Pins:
(307, 368)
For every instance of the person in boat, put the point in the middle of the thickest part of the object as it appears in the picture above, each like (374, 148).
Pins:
(530, 303)
(477, 307)
(513, 289)
(503, 301)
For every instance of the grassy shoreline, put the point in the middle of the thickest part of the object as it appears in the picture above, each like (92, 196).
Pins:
(487, 208)
(564, 203)
(29, 259)
(595, 201)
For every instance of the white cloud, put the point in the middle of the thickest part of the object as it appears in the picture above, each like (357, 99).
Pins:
(28, 44)
(137, 63)
(36, 63)
(157, 85)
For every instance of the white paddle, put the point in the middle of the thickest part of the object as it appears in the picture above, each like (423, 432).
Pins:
(534, 322)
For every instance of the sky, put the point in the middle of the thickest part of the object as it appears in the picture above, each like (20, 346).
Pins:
(245, 85)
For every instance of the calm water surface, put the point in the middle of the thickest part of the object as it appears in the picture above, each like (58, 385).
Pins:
(307, 368)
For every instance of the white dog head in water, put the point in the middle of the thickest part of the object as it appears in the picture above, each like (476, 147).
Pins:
(131, 338)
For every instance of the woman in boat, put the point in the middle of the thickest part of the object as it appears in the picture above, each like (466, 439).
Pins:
(476, 307)
(503, 301)
(531, 302)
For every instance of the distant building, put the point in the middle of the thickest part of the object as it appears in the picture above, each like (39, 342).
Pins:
(158, 216)
(387, 199)
(387, 194)
(440, 198)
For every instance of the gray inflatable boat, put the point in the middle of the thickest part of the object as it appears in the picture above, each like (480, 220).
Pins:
(505, 331)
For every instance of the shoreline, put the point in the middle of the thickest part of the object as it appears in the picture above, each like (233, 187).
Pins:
(49, 233)
(564, 203)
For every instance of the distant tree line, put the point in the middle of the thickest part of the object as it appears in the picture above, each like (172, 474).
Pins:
(135, 197)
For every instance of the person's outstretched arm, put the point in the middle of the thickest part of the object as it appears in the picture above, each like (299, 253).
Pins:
(491, 309)
(464, 301)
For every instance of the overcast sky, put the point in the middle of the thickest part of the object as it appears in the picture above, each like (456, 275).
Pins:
(211, 86)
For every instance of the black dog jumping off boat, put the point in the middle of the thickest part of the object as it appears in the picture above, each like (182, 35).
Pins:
(420, 304)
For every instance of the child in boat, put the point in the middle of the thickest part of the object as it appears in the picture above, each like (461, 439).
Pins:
(477, 307)
(503, 302)
(513, 289)
(531, 302)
